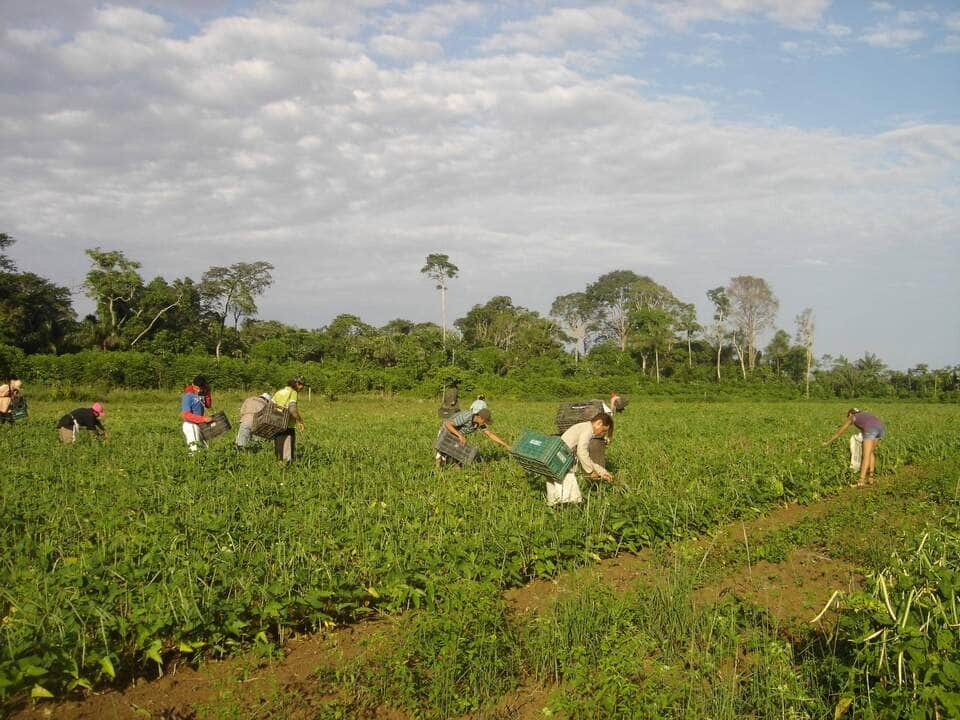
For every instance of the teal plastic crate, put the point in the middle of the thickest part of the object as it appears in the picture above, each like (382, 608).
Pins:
(543, 454)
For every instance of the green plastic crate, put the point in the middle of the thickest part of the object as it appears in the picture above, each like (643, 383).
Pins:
(543, 454)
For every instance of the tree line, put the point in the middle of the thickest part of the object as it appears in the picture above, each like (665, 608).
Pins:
(622, 325)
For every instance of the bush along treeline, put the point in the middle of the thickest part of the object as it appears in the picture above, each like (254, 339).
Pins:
(623, 331)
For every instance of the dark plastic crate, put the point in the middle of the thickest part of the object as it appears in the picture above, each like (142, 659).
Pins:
(217, 426)
(543, 454)
(569, 414)
(18, 409)
(270, 421)
(449, 446)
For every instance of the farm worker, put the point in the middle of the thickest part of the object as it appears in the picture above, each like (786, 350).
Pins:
(248, 410)
(617, 402)
(466, 422)
(9, 392)
(194, 401)
(284, 443)
(577, 438)
(873, 430)
(479, 404)
(88, 418)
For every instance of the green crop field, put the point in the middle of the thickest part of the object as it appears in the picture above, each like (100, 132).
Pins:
(118, 556)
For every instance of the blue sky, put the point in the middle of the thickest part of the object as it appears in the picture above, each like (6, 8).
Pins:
(540, 144)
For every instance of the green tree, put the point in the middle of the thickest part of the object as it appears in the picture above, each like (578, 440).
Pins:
(611, 294)
(232, 292)
(35, 315)
(805, 335)
(686, 322)
(439, 269)
(653, 331)
(6, 264)
(113, 283)
(753, 308)
(777, 349)
(719, 330)
(578, 317)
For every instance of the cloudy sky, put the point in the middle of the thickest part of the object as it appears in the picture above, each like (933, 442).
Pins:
(540, 144)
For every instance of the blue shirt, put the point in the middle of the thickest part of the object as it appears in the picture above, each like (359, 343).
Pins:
(192, 403)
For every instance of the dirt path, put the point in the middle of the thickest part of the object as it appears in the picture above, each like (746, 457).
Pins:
(792, 591)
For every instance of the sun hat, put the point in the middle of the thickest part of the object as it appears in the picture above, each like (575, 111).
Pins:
(98, 409)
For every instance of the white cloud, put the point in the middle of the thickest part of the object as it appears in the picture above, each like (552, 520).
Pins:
(838, 31)
(269, 136)
(894, 38)
(950, 44)
(952, 22)
(882, 7)
(125, 20)
(798, 14)
(405, 50)
(562, 27)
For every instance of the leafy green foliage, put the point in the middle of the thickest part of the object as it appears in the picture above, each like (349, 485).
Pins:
(121, 556)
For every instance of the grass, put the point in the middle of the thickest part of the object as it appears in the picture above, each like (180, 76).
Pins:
(121, 556)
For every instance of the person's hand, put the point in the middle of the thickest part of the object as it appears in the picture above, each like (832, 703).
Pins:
(605, 475)
(462, 439)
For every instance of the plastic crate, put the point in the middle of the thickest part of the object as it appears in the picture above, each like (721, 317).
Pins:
(270, 421)
(543, 454)
(217, 426)
(18, 409)
(569, 414)
(449, 446)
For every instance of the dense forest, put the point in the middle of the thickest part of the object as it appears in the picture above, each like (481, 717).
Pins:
(623, 331)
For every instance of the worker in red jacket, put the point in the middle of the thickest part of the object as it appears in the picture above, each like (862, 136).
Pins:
(194, 402)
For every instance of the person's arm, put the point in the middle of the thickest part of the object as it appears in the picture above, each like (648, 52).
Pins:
(586, 462)
(295, 414)
(839, 431)
(493, 437)
(453, 431)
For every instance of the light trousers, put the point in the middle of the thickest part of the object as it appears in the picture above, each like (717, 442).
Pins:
(191, 431)
(567, 491)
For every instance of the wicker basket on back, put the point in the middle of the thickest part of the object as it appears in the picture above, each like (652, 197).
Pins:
(572, 413)
(270, 421)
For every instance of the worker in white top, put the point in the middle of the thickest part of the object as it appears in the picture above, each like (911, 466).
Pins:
(577, 438)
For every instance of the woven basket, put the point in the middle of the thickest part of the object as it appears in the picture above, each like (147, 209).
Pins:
(271, 421)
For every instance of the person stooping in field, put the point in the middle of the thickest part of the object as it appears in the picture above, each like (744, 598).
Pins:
(466, 422)
(248, 411)
(577, 438)
(9, 394)
(284, 443)
(87, 418)
(872, 430)
(194, 402)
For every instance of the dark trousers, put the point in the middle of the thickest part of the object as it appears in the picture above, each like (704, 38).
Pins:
(285, 443)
